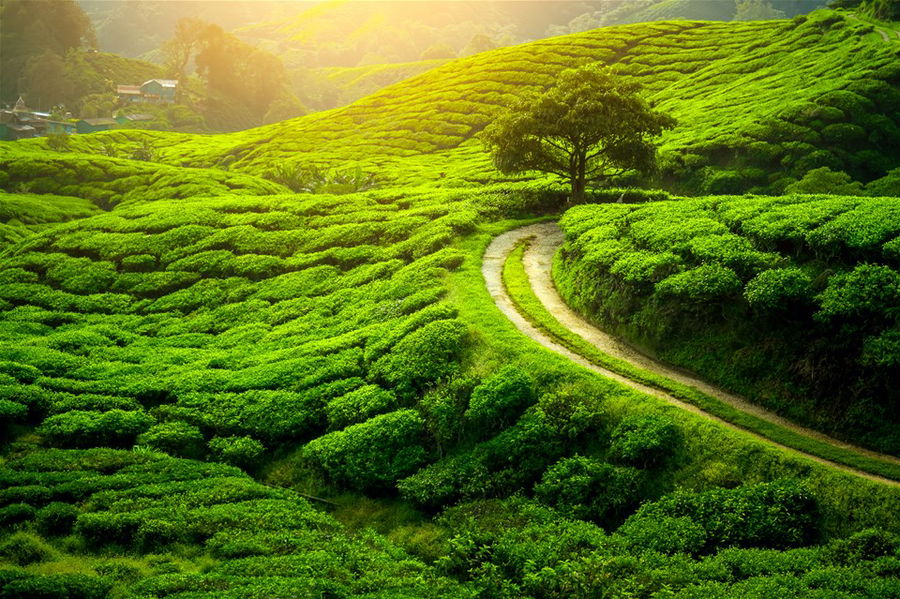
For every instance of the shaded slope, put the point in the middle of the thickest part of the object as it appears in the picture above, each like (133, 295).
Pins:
(788, 301)
(626, 365)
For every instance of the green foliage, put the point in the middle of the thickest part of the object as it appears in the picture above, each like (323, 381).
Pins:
(358, 406)
(643, 441)
(588, 489)
(499, 401)
(422, 358)
(56, 518)
(824, 180)
(23, 549)
(243, 452)
(587, 127)
(784, 300)
(175, 438)
(869, 290)
(71, 586)
(778, 289)
(777, 514)
(79, 428)
(706, 283)
(312, 179)
(373, 454)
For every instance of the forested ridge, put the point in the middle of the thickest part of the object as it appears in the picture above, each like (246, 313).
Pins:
(265, 364)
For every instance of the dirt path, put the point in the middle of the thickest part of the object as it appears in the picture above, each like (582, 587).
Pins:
(538, 259)
(886, 34)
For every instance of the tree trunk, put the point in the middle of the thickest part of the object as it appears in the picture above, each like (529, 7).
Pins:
(578, 183)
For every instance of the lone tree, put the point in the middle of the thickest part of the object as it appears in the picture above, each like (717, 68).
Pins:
(590, 126)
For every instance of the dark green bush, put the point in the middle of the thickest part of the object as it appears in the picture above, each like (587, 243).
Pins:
(56, 518)
(243, 452)
(778, 514)
(116, 428)
(778, 289)
(24, 548)
(175, 438)
(57, 586)
(499, 400)
(422, 357)
(15, 513)
(373, 454)
(358, 406)
(589, 489)
(643, 441)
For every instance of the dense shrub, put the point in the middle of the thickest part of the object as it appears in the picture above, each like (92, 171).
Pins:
(358, 406)
(422, 357)
(175, 438)
(373, 454)
(24, 549)
(78, 428)
(56, 518)
(589, 489)
(643, 441)
(785, 300)
(778, 288)
(243, 452)
(777, 514)
(499, 400)
(70, 586)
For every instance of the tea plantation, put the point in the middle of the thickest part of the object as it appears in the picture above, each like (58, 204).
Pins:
(758, 104)
(214, 387)
(790, 300)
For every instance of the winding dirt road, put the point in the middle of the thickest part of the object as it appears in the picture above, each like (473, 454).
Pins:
(546, 239)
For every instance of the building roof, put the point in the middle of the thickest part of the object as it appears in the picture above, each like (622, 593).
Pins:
(101, 121)
(163, 82)
(21, 127)
(20, 105)
(139, 117)
(128, 89)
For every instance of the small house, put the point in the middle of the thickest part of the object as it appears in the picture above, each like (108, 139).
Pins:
(159, 90)
(129, 94)
(94, 125)
(16, 131)
(57, 127)
(126, 119)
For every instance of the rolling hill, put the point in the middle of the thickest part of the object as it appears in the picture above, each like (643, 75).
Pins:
(758, 105)
(213, 387)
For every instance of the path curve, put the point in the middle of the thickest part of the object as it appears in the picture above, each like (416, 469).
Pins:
(546, 239)
(886, 34)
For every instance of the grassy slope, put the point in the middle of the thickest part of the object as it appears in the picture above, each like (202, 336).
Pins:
(527, 303)
(358, 82)
(121, 70)
(251, 316)
(22, 214)
(777, 350)
(747, 96)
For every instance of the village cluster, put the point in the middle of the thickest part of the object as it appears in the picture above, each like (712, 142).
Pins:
(21, 122)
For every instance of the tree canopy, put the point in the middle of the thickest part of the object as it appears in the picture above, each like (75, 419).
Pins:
(30, 29)
(589, 126)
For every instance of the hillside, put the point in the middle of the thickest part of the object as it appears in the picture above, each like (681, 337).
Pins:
(212, 387)
(330, 343)
(758, 105)
(784, 300)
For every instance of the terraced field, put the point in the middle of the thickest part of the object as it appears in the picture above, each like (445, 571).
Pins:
(213, 387)
(758, 105)
(786, 300)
